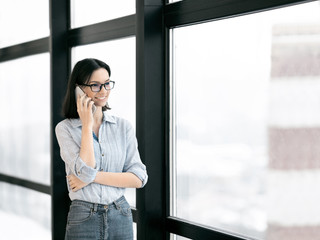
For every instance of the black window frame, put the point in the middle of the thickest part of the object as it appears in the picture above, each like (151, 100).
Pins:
(150, 25)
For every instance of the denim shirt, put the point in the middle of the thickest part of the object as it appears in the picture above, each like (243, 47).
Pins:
(115, 150)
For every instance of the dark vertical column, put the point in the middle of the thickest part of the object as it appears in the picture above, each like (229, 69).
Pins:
(150, 60)
(59, 18)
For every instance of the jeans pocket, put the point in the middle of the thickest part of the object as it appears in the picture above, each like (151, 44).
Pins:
(125, 209)
(79, 214)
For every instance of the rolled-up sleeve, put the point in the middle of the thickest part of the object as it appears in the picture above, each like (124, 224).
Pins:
(69, 151)
(133, 161)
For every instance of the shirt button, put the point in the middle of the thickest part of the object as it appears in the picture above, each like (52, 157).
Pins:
(102, 154)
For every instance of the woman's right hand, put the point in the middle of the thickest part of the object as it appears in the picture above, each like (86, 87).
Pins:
(75, 183)
(84, 109)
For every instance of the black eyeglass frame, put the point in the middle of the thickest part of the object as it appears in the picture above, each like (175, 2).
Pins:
(105, 86)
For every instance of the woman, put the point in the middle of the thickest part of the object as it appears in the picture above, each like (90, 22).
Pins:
(101, 157)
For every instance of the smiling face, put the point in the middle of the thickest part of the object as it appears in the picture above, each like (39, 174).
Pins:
(99, 76)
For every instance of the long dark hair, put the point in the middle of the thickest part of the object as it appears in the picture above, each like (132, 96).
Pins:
(81, 74)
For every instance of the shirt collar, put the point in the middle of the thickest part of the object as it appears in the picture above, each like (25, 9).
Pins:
(108, 118)
(76, 122)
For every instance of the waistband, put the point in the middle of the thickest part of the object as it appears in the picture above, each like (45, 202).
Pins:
(97, 206)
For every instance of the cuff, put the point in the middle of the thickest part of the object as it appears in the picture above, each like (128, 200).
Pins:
(141, 174)
(84, 172)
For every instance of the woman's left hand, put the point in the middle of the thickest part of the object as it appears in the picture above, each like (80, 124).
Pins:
(75, 183)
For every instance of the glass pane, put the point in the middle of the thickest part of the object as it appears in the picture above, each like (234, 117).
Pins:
(24, 213)
(94, 11)
(177, 237)
(123, 96)
(19, 22)
(25, 118)
(134, 231)
(246, 100)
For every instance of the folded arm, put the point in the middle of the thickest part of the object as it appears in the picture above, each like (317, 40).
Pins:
(122, 180)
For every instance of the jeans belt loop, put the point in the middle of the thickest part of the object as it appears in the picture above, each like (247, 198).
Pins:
(95, 207)
(117, 205)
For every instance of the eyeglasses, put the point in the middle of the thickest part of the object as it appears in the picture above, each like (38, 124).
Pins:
(96, 87)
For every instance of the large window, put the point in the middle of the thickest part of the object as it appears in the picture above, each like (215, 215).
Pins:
(223, 95)
(245, 110)
(25, 120)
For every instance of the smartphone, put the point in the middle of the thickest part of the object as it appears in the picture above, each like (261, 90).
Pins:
(79, 92)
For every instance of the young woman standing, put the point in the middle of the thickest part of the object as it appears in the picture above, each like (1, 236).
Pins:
(101, 157)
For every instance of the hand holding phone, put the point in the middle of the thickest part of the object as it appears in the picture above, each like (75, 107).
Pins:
(79, 92)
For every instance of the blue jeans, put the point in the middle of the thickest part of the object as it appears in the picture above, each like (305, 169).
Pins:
(97, 221)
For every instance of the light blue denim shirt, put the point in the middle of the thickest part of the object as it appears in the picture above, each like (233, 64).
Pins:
(115, 150)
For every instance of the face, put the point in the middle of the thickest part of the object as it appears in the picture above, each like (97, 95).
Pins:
(99, 76)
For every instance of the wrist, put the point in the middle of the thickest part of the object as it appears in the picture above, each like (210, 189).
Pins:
(87, 127)
(96, 179)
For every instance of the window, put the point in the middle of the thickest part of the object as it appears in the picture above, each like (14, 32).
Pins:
(94, 11)
(25, 144)
(24, 213)
(25, 118)
(18, 25)
(245, 110)
(229, 138)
